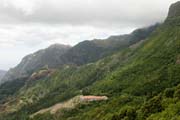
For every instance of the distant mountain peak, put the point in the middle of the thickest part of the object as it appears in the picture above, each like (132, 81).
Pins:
(59, 46)
(84, 52)
(50, 56)
(174, 10)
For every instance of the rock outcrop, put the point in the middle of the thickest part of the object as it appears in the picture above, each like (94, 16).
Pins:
(174, 10)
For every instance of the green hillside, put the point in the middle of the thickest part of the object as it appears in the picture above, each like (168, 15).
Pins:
(142, 82)
(56, 56)
(84, 52)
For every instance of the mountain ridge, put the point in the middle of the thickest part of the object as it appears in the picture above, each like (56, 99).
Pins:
(174, 10)
(33, 62)
(84, 52)
(141, 81)
(173, 17)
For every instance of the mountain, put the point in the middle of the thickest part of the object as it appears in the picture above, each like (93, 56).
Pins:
(82, 53)
(141, 82)
(68, 82)
(174, 11)
(91, 51)
(49, 57)
(2, 73)
(173, 14)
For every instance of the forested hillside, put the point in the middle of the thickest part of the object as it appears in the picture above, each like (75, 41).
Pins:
(141, 81)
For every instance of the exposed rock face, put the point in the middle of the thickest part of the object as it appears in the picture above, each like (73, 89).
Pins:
(174, 10)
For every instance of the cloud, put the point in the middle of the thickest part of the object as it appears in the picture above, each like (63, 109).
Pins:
(91, 12)
(16, 41)
(30, 25)
(36, 35)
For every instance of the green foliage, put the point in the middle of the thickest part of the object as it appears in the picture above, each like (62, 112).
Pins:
(86, 91)
(169, 92)
(45, 116)
(141, 83)
(9, 88)
(126, 113)
(151, 106)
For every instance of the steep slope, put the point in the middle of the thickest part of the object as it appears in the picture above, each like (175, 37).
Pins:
(2, 73)
(67, 82)
(141, 82)
(145, 88)
(174, 11)
(82, 53)
(91, 51)
(49, 57)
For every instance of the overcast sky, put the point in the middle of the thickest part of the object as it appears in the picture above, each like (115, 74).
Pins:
(29, 25)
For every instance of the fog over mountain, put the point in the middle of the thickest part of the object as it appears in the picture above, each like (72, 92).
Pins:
(2, 73)
(132, 76)
(29, 25)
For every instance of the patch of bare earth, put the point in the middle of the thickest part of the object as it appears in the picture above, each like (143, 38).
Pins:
(70, 104)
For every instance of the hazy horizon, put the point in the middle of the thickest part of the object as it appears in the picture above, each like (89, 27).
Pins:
(27, 26)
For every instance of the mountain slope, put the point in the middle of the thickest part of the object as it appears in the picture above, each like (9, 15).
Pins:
(141, 81)
(143, 88)
(67, 82)
(135, 90)
(91, 51)
(49, 57)
(2, 73)
(82, 53)
(174, 11)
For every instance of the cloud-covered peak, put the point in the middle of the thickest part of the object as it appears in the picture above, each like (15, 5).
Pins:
(30, 25)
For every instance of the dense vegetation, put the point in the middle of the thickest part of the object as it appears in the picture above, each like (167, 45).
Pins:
(10, 88)
(143, 89)
(142, 81)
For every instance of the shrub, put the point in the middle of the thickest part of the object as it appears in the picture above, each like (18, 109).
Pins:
(177, 93)
(127, 113)
(169, 92)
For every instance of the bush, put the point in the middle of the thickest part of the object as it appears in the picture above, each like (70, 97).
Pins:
(177, 93)
(169, 92)
(86, 91)
(127, 113)
(151, 106)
